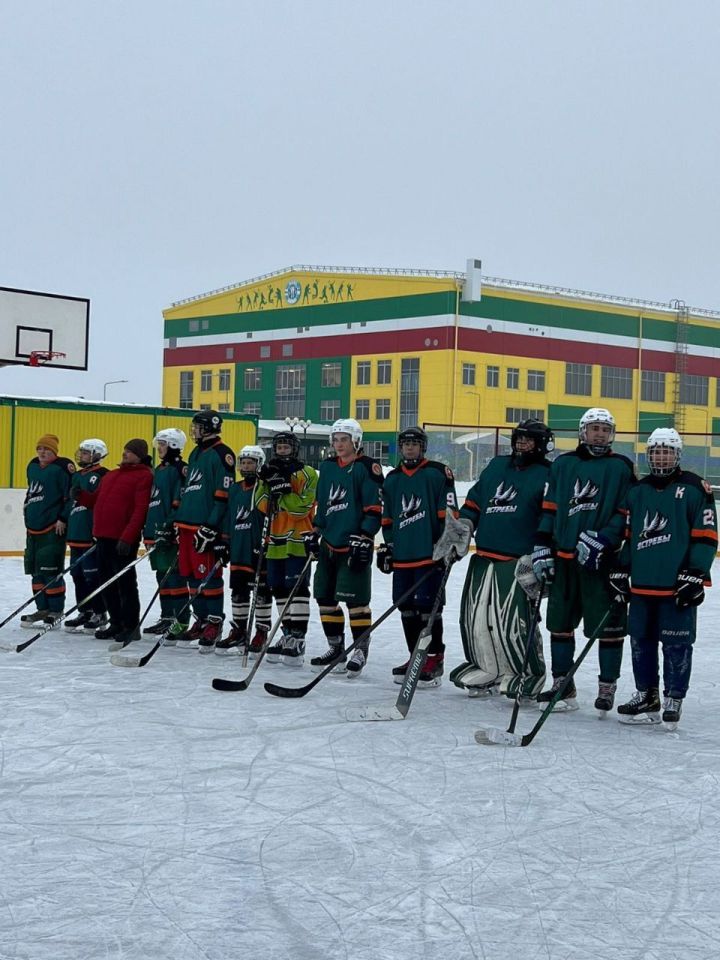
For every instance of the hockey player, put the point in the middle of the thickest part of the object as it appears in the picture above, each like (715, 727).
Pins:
(416, 496)
(243, 535)
(200, 519)
(671, 540)
(503, 508)
(86, 576)
(580, 532)
(348, 516)
(168, 480)
(288, 490)
(45, 510)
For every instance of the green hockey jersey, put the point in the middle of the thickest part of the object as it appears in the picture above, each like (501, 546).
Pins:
(671, 526)
(210, 474)
(585, 493)
(414, 505)
(505, 505)
(168, 480)
(348, 500)
(80, 521)
(48, 495)
(243, 525)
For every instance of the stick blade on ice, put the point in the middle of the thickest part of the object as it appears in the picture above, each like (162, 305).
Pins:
(494, 736)
(119, 661)
(359, 714)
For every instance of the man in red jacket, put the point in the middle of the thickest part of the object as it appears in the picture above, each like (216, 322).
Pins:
(120, 507)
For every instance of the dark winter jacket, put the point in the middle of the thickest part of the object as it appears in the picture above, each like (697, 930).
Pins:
(121, 502)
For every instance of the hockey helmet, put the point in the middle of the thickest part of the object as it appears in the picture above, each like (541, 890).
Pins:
(252, 452)
(663, 451)
(205, 423)
(174, 438)
(286, 436)
(349, 426)
(96, 448)
(596, 415)
(536, 430)
(413, 435)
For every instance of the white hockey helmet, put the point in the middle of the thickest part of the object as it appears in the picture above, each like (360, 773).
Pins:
(173, 437)
(96, 448)
(349, 426)
(596, 415)
(252, 452)
(660, 464)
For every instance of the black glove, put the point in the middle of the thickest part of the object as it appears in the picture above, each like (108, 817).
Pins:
(620, 585)
(205, 538)
(311, 542)
(278, 485)
(385, 558)
(75, 493)
(221, 551)
(123, 549)
(166, 533)
(689, 589)
(361, 552)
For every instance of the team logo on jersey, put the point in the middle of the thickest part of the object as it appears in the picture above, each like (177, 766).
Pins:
(582, 498)
(651, 534)
(501, 501)
(242, 519)
(35, 493)
(336, 499)
(411, 510)
(230, 460)
(154, 496)
(194, 481)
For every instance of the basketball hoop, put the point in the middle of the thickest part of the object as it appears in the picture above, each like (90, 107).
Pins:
(39, 357)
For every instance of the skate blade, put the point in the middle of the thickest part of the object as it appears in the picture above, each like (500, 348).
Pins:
(358, 714)
(641, 720)
(562, 706)
(493, 736)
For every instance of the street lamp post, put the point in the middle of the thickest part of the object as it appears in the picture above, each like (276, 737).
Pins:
(109, 384)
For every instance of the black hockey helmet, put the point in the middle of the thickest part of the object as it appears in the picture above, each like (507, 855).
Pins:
(413, 435)
(205, 423)
(287, 436)
(534, 430)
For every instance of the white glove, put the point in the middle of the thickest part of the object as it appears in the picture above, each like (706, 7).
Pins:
(456, 536)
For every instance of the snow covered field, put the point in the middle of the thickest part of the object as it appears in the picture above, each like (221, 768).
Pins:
(144, 815)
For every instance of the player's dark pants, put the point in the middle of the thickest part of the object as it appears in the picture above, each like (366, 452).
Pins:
(121, 597)
(281, 577)
(86, 578)
(174, 591)
(336, 583)
(44, 559)
(654, 621)
(415, 610)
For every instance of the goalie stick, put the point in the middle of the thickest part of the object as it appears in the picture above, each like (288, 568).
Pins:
(291, 692)
(415, 666)
(532, 630)
(18, 648)
(490, 736)
(220, 683)
(57, 576)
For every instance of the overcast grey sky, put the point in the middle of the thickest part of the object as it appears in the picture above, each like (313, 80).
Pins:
(154, 150)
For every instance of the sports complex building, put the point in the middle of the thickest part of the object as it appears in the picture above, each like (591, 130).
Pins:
(465, 355)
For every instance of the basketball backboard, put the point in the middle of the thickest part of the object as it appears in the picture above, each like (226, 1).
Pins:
(33, 323)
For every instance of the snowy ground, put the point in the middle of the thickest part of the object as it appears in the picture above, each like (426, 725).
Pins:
(144, 815)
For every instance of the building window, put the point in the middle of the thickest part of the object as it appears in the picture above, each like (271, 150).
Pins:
(329, 409)
(205, 381)
(253, 408)
(229, 353)
(223, 408)
(362, 409)
(290, 391)
(331, 374)
(516, 414)
(265, 353)
(468, 374)
(224, 380)
(205, 406)
(578, 379)
(363, 373)
(253, 378)
(384, 371)
(193, 326)
(536, 379)
(616, 382)
(382, 409)
(513, 378)
(409, 391)
(186, 389)
(492, 377)
(694, 390)
(652, 386)
(378, 450)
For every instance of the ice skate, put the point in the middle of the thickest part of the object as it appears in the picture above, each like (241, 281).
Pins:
(357, 661)
(293, 651)
(189, 639)
(210, 634)
(606, 697)
(334, 654)
(672, 711)
(233, 644)
(257, 642)
(398, 673)
(76, 624)
(94, 622)
(162, 626)
(431, 673)
(642, 709)
(30, 620)
(567, 704)
(175, 632)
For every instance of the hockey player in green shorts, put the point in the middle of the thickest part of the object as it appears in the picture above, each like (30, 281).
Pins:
(503, 508)
(580, 532)
(348, 517)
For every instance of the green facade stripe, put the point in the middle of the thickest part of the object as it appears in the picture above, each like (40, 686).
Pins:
(650, 421)
(564, 417)
(314, 391)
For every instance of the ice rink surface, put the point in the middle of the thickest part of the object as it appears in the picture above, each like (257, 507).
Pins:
(144, 815)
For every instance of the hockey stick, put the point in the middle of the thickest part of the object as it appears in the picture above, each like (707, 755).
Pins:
(290, 692)
(415, 666)
(49, 584)
(153, 599)
(535, 615)
(220, 683)
(507, 738)
(18, 648)
(118, 661)
(264, 542)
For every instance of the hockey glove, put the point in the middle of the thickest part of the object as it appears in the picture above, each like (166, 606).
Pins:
(361, 552)
(123, 549)
(278, 485)
(620, 586)
(385, 558)
(689, 589)
(592, 548)
(525, 576)
(221, 551)
(456, 536)
(311, 542)
(166, 533)
(543, 564)
(204, 539)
